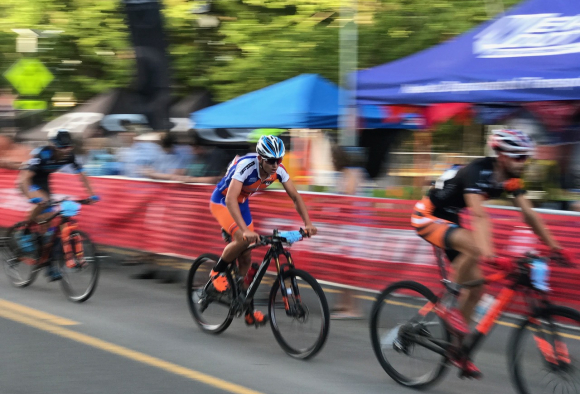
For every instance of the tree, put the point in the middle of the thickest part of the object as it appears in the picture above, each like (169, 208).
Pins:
(258, 42)
(403, 27)
(86, 56)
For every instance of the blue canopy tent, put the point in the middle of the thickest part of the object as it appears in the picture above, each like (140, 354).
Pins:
(530, 53)
(305, 101)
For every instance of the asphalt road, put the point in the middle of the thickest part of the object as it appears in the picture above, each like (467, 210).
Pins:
(137, 336)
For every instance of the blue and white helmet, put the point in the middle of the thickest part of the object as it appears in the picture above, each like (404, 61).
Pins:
(270, 147)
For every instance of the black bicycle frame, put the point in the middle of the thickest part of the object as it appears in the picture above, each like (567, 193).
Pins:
(276, 249)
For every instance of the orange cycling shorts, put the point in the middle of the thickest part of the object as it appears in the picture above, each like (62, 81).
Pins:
(429, 227)
(225, 219)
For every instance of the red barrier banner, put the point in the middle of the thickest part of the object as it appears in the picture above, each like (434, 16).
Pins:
(362, 242)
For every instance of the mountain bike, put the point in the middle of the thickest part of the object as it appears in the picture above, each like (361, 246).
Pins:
(299, 314)
(23, 260)
(405, 328)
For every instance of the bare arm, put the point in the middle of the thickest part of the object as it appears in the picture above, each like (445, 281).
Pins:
(25, 181)
(233, 205)
(481, 224)
(175, 175)
(10, 164)
(534, 221)
(87, 184)
(200, 179)
(163, 177)
(300, 206)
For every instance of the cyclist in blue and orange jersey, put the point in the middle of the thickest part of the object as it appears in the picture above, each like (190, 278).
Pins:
(229, 205)
(436, 219)
(34, 184)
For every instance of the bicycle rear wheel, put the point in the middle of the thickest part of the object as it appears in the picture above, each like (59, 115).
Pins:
(20, 267)
(302, 328)
(79, 283)
(546, 360)
(210, 310)
(396, 329)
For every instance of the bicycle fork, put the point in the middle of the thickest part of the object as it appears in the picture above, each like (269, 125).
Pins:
(69, 243)
(290, 295)
(556, 354)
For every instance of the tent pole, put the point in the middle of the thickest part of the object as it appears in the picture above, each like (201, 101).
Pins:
(348, 60)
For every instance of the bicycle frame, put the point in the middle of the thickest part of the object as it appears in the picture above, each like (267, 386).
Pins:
(276, 249)
(519, 282)
(63, 230)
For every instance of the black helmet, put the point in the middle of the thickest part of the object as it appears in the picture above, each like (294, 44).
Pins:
(62, 139)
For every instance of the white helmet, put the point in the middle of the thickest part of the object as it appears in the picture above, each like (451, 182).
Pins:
(511, 143)
(270, 147)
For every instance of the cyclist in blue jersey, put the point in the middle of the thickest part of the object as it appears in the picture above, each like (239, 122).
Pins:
(229, 205)
(34, 183)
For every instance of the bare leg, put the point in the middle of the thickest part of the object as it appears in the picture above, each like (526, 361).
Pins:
(244, 262)
(38, 208)
(466, 269)
(233, 250)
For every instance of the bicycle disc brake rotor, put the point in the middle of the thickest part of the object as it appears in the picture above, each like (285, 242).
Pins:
(300, 312)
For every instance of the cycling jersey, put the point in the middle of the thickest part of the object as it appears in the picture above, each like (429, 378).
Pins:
(247, 170)
(477, 177)
(437, 215)
(43, 163)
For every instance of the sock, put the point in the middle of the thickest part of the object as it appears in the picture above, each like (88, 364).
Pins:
(221, 265)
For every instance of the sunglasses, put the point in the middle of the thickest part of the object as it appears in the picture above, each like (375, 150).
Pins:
(273, 161)
(520, 158)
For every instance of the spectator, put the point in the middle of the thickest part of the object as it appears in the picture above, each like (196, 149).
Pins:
(208, 164)
(184, 150)
(169, 165)
(12, 155)
(348, 182)
(139, 153)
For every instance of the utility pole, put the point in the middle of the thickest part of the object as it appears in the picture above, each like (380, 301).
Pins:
(348, 61)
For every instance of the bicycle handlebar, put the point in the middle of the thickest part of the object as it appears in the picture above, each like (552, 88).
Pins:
(281, 237)
(84, 201)
(522, 261)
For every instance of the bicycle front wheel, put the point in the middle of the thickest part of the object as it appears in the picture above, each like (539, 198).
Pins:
(210, 310)
(544, 356)
(79, 283)
(20, 267)
(399, 331)
(300, 318)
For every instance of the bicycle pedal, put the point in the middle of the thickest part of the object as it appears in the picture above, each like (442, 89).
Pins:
(471, 376)
(257, 324)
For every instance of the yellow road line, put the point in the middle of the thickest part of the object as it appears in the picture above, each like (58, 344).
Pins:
(181, 266)
(117, 251)
(362, 297)
(61, 321)
(327, 290)
(127, 353)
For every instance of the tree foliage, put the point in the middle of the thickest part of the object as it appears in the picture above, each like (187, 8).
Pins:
(257, 43)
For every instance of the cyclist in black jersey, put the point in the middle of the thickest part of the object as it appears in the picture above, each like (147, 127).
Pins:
(33, 179)
(436, 219)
